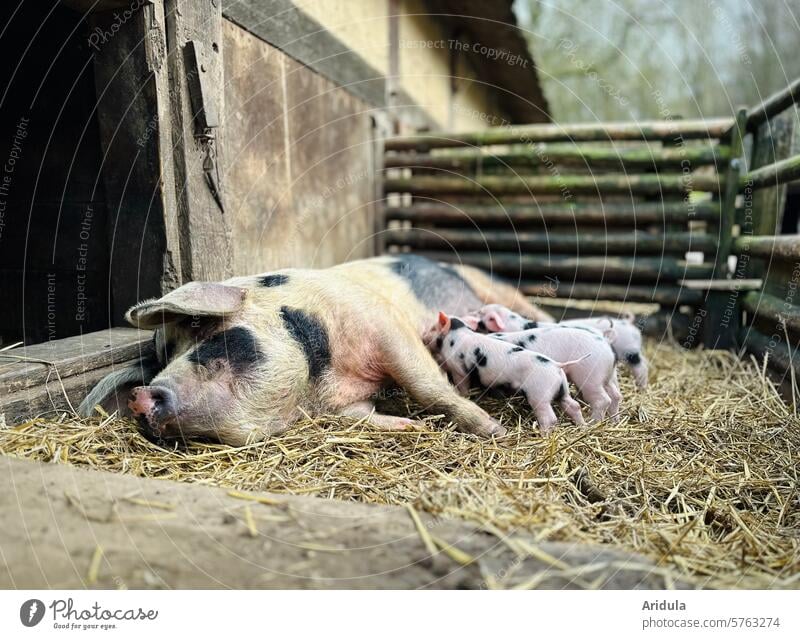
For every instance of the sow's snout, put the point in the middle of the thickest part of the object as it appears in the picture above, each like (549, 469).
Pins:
(154, 407)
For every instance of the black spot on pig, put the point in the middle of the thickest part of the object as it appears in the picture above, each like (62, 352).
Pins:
(163, 349)
(543, 359)
(456, 324)
(150, 367)
(433, 284)
(529, 325)
(531, 338)
(482, 327)
(516, 349)
(461, 356)
(439, 342)
(560, 393)
(521, 343)
(452, 342)
(273, 279)
(312, 337)
(237, 346)
(480, 357)
(634, 359)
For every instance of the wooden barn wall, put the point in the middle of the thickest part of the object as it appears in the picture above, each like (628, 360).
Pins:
(298, 173)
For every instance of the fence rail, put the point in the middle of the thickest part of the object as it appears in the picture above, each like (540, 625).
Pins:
(647, 130)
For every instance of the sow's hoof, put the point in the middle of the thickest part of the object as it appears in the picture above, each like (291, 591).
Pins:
(489, 427)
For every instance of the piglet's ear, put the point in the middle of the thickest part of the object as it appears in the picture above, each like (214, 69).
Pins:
(470, 321)
(494, 322)
(195, 299)
(610, 334)
(444, 322)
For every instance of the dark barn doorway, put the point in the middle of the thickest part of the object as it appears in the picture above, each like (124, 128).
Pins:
(53, 215)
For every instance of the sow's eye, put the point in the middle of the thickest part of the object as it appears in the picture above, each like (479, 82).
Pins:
(237, 347)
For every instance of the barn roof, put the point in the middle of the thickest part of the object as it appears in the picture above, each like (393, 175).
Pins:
(493, 25)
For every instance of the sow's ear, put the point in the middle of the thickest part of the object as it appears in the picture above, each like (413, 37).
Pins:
(202, 299)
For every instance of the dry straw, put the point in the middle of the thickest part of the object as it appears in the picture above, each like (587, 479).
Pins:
(700, 475)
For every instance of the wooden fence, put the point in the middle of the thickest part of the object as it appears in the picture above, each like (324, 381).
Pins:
(601, 211)
(642, 212)
(770, 316)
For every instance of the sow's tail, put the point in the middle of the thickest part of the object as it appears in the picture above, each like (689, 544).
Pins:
(494, 291)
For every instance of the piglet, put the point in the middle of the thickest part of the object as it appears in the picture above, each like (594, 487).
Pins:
(472, 358)
(495, 318)
(627, 342)
(595, 377)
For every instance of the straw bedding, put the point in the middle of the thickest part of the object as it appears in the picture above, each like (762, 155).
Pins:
(700, 474)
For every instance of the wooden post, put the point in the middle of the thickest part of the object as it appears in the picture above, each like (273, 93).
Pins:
(381, 126)
(393, 77)
(721, 322)
(135, 133)
(194, 34)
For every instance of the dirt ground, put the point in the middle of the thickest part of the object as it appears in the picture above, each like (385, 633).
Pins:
(65, 527)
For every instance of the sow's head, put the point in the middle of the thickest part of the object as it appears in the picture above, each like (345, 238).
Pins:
(231, 369)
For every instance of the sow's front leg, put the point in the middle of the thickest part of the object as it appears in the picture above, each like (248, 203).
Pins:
(410, 364)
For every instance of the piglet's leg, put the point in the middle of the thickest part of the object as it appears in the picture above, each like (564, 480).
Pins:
(360, 410)
(598, 399)
(410, 364)
(544, 412)
(545, 416)
(573, 410)
(612, 388)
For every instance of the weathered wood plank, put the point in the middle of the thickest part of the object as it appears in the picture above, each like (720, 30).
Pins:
(589, 213)
(601, 269)
(663, 294)
(781, 247)
(204, 228)
(543, 156)
(565, 185)
(281, 24)
(778, 309)
(620, 243)
(775, 174)
(603, 132)
(735, 284)
(52, 395)
(773, 105)
(70, 356)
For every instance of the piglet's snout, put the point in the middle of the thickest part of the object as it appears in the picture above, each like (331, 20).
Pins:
(155, 405)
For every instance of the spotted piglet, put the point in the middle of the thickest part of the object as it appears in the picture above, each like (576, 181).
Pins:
(495, 318)
(595, 377)
(627, 342)
(480, 360)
